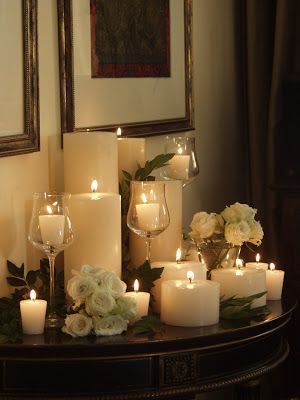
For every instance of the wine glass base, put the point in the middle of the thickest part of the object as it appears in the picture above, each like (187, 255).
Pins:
(53, 321)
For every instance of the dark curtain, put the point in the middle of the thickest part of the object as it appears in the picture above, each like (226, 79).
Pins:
(270, 36)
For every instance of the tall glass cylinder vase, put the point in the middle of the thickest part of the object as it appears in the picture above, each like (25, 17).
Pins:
(50, 230)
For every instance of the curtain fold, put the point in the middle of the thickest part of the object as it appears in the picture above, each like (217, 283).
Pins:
(270, 54)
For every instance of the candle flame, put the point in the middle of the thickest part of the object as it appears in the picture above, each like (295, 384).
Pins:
(257, 258)
(49, 209)
(239, 262)
(136, 285)
(119, 131)
(180, 151)
(178, 255)
(190, 275)
(144, 198)
(32, 294)
(94, 186)
(272, 266)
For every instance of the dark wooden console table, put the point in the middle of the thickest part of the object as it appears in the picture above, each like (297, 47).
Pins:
(178, 364)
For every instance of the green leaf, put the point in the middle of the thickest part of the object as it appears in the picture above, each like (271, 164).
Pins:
(127, 175)
(145, 275)
(15, 281)
(14, 270)
(240, 307)
(31, 277)
(148, 325)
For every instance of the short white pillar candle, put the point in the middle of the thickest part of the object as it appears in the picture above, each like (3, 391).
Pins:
(241, 282)
(178, 167)
(257, 264)
(174, 270)
(190, 303)
(274, 281)
(33, 314)
(52, 228)
(142, 301)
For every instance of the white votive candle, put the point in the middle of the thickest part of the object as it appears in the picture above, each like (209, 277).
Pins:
(33, 314)
(178, 167)
(175, 270)
(241, 282)
(142, 301)
(257, 263)
(194, 303)
(52, 229)
(147, 215)
(274, 280)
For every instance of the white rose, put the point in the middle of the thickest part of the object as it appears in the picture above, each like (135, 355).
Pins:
(79, 287)
(92, 270)
(111, 283)
(78, 325)
(125, 307)
(237, 233)
(203, 225)
(238, 212)
(108, 326)
(256, 233)
(99, 303)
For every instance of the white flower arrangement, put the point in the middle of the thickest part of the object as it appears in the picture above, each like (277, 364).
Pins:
(236, 224)
(99, 303)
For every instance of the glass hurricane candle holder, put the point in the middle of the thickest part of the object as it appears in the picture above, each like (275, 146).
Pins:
(148, 214)
(184, 165)
(50, 230)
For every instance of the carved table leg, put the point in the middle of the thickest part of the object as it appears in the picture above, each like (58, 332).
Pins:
(250, 390)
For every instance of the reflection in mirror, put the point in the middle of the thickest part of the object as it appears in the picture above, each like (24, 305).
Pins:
(19, 97)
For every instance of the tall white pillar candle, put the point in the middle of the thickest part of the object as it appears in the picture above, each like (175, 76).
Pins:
(164, 246)
(52, 228)
(274, 280)
(174, 270)
(131, 152)
(190, 304)
(241, 282)
(89, 156)
(142, 301)
(96, 220)
(33, 315)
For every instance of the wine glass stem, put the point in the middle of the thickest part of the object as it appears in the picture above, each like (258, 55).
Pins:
(148, 249)
(51, 258)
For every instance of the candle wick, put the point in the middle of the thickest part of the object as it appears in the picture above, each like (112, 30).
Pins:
(190, 279)
(178, 261)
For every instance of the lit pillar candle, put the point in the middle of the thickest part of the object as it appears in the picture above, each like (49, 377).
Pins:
(33, 315)
(141, 299)
(257, 264)
(274, 280)
(96, 220)
(175, 270)
(88, 156)
(165, 245)
(241, 282)
(190, 303)
(52, 227)
(131, 152)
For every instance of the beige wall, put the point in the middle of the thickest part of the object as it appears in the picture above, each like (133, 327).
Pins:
(216, 120)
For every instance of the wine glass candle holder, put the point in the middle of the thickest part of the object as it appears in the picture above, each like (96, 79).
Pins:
(148, 214)
(50, 230)
(184, 165)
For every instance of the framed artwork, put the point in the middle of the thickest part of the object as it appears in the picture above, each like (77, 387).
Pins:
(19, 97)
(125, 63)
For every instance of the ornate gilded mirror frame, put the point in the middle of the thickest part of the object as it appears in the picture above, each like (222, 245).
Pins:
(26, 138)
